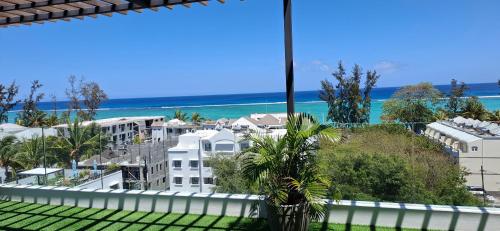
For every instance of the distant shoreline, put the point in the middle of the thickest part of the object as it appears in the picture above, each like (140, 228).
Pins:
(229, 105)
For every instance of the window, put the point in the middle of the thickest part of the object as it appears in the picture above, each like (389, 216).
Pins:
(206, 164)
(244, 146)
(177, 180)
(475, 148)
(208, 180)
(157, 167)
(195, 180)
(177, 163)
(151, 170)
(163, 180)
(193, 163)
(160, 166)
(157, 182)
(207, 147)
(224, 147)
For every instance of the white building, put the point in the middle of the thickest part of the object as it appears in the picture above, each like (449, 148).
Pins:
(474, 144)
(171, 130)
(122, 130)
(24, 133)
(184, 159)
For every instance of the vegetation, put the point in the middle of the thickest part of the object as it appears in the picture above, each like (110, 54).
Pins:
(455, 102)
(93, 96)
(31, 116)
(347, 102)
(412, 104)
(180, 115)
(474, 109)
(89, 94)
(112, 167)
(389, 163)
(8, 154)
(286, 169)
(196, 118)
(230, 178)
(26, 216)
(7, 100)
(30, 153)
(80, 142)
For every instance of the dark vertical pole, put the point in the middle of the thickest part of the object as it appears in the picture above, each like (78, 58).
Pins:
(44, 157)
(482, 185)
(100, 159)
(290, 101)
(164, 157)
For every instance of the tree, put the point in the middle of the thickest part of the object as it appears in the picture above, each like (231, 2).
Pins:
(73, 93)
(286, 169)
(53, 120)
(80, 141)
(31, 116)
(196, 118)
(387, 162)
(7, 101)
(495, 116)
(347, 103)
(230, 178)
(31, 153)
(87, 94)
(474, 109)
(178, 114)
(93, 96)
(8, 151)
(413, 105)
(455, 101)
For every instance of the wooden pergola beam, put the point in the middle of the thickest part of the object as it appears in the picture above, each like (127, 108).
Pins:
(28, 11)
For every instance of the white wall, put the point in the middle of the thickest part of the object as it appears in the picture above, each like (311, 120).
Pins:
(345, 212)
(107, 181)
(2, 175)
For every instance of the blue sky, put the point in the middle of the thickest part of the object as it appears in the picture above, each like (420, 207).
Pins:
(237, 47)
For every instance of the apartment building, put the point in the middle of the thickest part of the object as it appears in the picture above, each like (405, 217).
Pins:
(186, 172)
(122, 130)
(474, 144)
(143, 166)
(171, 130)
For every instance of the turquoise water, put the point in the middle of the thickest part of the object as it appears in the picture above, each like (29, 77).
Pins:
(235, 106)
(318, 109)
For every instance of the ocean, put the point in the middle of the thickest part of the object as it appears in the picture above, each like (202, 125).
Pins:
(238, 105)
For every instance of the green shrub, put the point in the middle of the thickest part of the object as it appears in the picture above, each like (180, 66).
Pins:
(388, 163)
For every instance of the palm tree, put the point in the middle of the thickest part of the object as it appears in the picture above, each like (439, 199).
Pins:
(286, 169)
(31, 153)
(35, 119)
(495, 116)
(196, 118)
(52, 120)
(8, 153)
(180, 115)
(79, 142)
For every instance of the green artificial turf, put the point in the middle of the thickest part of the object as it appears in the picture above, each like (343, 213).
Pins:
(27, 216)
